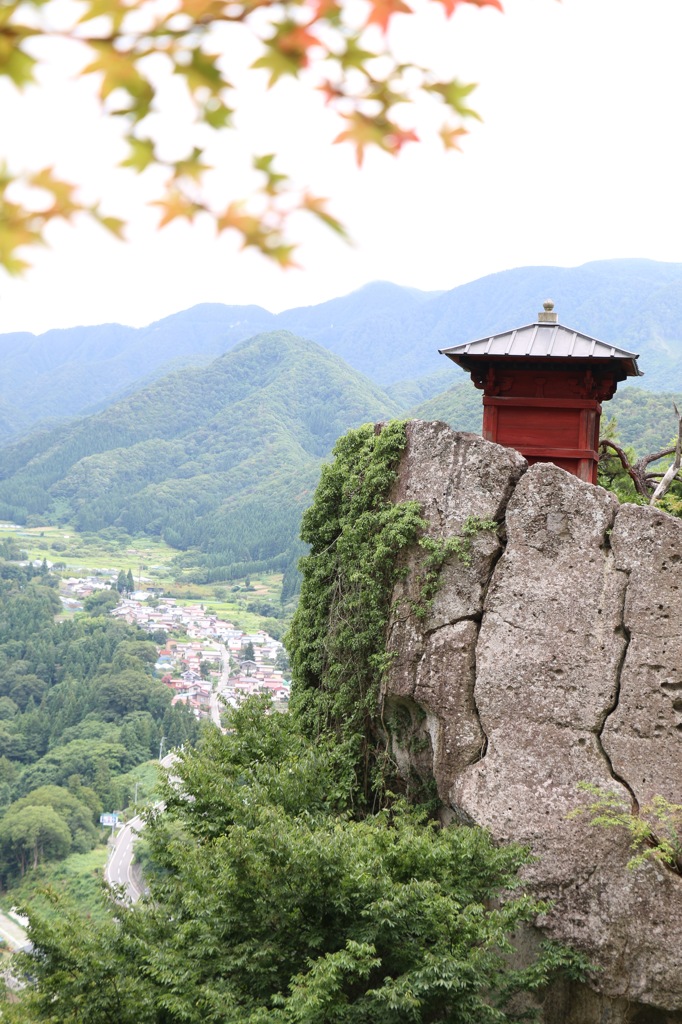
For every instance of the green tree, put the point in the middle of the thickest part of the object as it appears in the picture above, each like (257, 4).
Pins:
(121, 692)
(31, 833)
(271, 901)
(76, 814)
(101, 602)
(282, 661)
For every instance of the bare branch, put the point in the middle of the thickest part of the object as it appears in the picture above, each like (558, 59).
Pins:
(633, 471)
(672, 471)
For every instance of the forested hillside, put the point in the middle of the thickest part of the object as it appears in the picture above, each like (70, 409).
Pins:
(644, 420)
(223, 458)
(79, 708)
(390, 333)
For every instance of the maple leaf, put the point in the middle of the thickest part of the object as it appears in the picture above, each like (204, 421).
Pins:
(451, 5)
(277, 64)
(257, 234)
(142, 154)
(324, 10)
(174, 205)
(119, 71)
(274, 181)
(200, 10)
(353, 55)
(113, 224)
(216, 113)
(202, 72)
(318, 207)
(362, 132)
(397, 137)
(114, 10)
(14, 62)
(281, 252)
(454, 93)
(330, 91)
(451, 136)
(383, 10)
(62, 192)
(294, 41)
(192, 166)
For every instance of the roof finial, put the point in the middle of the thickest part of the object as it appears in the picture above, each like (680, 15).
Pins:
(548, 316)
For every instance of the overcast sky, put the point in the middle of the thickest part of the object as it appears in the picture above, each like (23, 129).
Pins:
(578, 158)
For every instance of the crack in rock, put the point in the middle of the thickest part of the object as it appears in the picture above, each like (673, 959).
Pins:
(623, 631)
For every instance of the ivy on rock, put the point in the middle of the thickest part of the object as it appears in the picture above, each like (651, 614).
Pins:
(356, 535)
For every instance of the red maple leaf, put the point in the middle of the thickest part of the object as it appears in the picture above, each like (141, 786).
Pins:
(396, 139)
(451, 5)
(296, 43)
(330, 91)
(383, 10)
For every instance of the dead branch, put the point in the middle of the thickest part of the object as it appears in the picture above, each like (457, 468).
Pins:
(634, 472)
(648, 484)
(672, 471)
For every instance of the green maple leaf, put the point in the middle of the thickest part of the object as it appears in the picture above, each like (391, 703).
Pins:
(141, 154)
(277, 64)
(454, 94)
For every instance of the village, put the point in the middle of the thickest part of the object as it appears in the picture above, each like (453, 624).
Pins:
(207, 662)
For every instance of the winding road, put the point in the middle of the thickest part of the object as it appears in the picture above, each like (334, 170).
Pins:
(119, 869)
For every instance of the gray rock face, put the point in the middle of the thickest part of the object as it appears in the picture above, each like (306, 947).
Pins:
(553, 658)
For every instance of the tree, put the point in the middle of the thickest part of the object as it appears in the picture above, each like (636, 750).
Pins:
(122, 692)
(70, 807)
(101, 602)
(324, 45)
(271, 900)
(30, 833)
(621, 471)
(248, 653)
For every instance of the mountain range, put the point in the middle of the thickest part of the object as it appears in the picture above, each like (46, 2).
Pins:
(215, 443)
(222, 458)
(389, 333)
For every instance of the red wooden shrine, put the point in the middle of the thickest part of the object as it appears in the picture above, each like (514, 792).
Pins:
(543, 385)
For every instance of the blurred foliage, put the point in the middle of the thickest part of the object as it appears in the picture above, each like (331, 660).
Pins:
(342, 51)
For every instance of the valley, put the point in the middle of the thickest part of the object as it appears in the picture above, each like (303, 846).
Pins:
(179, 477)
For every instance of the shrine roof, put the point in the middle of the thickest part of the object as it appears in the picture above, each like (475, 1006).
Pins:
(542, 340)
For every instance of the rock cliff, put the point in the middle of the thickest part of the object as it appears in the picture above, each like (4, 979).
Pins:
(554, 657)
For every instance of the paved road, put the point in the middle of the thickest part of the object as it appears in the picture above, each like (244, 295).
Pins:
(13, 934)
(119, 869)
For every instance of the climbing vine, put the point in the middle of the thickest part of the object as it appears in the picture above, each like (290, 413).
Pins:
(438, 551)
(337, 640)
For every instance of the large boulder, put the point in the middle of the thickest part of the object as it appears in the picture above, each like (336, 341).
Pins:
(549, 656)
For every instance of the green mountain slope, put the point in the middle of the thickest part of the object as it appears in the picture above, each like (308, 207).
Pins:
(460, 406)
(222, 457)
(644, 419)
(390, 333)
